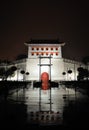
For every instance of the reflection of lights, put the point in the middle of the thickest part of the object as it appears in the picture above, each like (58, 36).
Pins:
(58, 103)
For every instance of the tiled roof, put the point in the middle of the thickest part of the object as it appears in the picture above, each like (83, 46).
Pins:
(46, 41)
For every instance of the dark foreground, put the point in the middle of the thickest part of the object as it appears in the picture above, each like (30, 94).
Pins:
(13, 115)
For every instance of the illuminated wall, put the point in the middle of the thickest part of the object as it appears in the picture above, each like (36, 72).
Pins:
(59, 64)
(45, 50)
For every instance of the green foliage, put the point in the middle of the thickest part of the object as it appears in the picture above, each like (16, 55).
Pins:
(5, 73)
(82, 73)
(85, 60)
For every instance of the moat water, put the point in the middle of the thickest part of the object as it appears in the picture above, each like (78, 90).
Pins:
(43, 108)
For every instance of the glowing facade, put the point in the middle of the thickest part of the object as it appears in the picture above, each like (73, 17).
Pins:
(45, 56)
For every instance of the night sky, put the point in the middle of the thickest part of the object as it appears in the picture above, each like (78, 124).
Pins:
(44, 19)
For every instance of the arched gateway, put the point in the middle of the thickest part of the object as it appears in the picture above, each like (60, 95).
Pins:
(45, 80)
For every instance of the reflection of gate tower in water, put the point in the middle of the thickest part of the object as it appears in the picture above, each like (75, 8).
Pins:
(45, 78)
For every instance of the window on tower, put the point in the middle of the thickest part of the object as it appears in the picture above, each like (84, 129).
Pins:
(37, 48)
(32, 54)
(56, 48)
(52, 54)
(51, 48)
(46, 53)
(47, 48)
(42, 48)
(42, 53)
(32, 48)
(56, 53)
(37, 54)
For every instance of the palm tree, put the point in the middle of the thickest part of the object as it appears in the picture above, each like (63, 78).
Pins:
(82, 73)
(10, 71)
(13, 68)
(5, 73)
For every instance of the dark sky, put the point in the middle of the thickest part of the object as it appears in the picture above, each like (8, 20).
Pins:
(44, 19)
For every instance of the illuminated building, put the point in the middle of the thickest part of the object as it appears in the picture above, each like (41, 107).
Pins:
(45, 56)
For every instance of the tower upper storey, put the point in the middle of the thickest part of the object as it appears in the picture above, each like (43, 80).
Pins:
(46, 47)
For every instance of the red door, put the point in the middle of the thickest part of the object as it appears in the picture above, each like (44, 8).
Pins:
(45, 80)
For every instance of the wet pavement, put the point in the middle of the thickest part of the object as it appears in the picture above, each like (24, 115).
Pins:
(30, 107)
